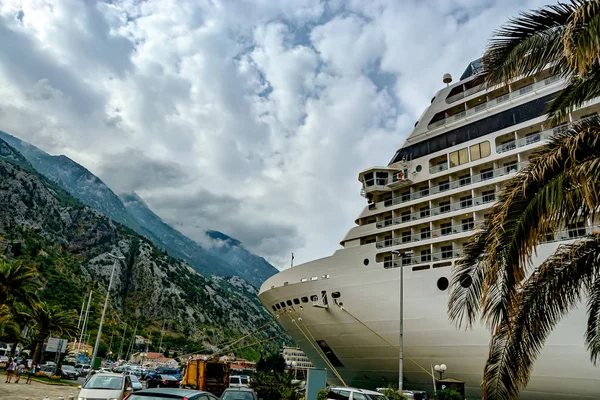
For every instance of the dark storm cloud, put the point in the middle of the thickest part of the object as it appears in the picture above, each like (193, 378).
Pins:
(133, 170)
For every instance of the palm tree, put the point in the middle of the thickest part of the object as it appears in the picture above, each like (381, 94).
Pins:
(18, 283)
(8, 327)
(49, 319)
(560, 186)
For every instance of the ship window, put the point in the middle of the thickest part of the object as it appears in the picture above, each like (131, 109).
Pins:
(445, 185)
(368, 178)
(314, 297)
(304, 280)
(288, 302)
(366, 261)
(325, 276)
(425, 233)
(405, 216)
(425, 255)
(278, 306)
(444, 206)
(480, 150)
(446, 252)
(466, 281)
(443, 283)
(419, 168)
(446, 228)
(296, 301)
(459, 157)
(466, 201)
(304, 299)
(465, 180)
(420, 268)
(314, 278)
(405, 196)
(282, 304)
(488, 196)
(510, 167)
(274, 308)
(468, 224)
(576, 230)
(405, 237)
(335, 295)
(424, 212)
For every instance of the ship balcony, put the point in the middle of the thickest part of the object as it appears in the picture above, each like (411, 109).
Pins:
(426, 235)
(464, 182)
(409, 258)
(443, 209)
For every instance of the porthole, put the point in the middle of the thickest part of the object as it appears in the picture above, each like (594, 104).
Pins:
(274, 308)
(335, 295)
(296, 301)
(466, 281)
(289, 302)
(305, 299)
(419, 168)
(278, 306)
(314, 298)
(282, 304)
(442, 283)
(366, 261)
(416, 123)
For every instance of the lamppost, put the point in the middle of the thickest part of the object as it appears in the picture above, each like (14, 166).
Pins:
(295, 366)
(440, 369)
(112, 274)
(398, 254)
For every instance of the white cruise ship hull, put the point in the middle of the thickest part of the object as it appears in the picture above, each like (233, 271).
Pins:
(371, 294)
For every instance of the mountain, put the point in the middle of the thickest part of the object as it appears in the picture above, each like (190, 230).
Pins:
(131, 211)
(69, 243)
(175, 242)
(74, 178)
(230, 257)
(243, 261)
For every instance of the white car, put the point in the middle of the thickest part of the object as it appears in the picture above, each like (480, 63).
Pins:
(347, 393)
(239, 381)
(106, 386)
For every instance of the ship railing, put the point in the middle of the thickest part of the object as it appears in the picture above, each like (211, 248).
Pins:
(494, 102)
(426, 235)
(526, 141)
(462, 182)
(463, 204)
(438, 168)
(414, 259)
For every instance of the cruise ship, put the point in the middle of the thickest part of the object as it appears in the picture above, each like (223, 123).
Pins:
(420, 209)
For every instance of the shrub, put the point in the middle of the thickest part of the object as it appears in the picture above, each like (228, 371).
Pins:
(394, 394)
(447, 394)
(323, 393)
(41, 375)
(55, 378)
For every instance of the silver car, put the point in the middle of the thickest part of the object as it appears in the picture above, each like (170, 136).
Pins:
(106, 386)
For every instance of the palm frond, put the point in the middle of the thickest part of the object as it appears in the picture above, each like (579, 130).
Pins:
(577, 93)
(547, 295)
(528, 43)
(582, 36)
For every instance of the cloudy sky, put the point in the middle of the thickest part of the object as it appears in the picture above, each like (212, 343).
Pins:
(249, 117)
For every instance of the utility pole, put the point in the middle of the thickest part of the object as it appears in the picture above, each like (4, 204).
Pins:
(401, 344)
(97, 344)
(162, 332)
(132, 344)
(122, 341)
(84, 327)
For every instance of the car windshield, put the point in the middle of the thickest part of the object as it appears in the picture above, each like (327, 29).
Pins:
(234, 395)
(104, 382)
(234, 380)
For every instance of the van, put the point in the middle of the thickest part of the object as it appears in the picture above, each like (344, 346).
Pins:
(239, 381)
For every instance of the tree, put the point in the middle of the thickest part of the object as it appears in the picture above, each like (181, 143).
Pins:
(564, 36)
(8, 327)
(558, 188)
(447, 394)
(18, 283)
(393, 393)
(48, 319)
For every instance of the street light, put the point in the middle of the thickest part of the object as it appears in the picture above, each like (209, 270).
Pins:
(440, 369)
(112, 274)
(398, 254)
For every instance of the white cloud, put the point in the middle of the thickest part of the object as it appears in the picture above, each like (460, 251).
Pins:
(252, 118)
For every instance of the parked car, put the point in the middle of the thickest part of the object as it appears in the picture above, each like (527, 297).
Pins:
(155, 381)
(47, 370)
(106, 386)
(348, 393)
(416, 394)
(171, 394)
(83, 369)
(238, 394)
(135, 383)
(236, 381)
(68, 372)
(3, 361)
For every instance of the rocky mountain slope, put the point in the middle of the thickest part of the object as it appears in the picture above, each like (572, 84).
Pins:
(69, 244)
(131, 211)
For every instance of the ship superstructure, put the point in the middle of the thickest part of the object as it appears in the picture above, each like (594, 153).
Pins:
(343, 310)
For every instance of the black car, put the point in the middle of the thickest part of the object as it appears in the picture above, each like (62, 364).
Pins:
(171, 394)
(159, 381)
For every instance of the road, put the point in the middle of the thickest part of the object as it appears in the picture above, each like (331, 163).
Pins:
(35, 391)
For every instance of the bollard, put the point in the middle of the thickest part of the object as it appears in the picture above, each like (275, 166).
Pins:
(61, 397)
(71, 396)
(46, 398)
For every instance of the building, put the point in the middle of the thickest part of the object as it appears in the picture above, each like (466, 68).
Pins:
(154, 360)
(294, 354)
(140, 340)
